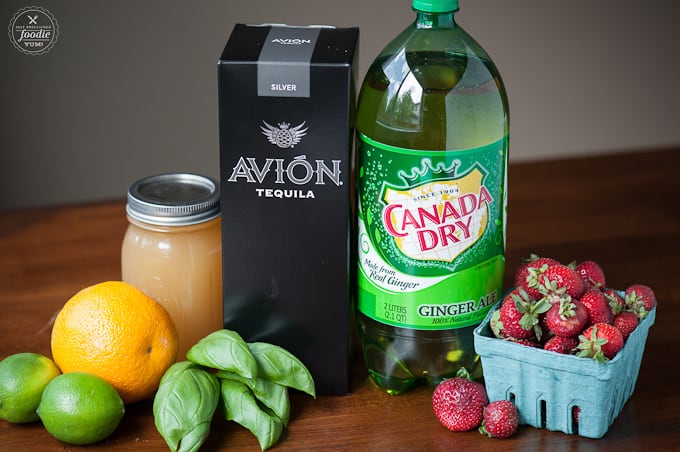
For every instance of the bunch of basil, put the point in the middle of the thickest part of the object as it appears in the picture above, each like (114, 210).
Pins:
(250, 380)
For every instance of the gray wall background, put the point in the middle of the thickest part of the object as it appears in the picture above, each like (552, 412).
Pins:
(130, 87)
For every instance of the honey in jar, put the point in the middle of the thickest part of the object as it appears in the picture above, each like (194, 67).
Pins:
(172, 250)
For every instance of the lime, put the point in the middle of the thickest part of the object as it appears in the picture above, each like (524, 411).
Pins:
(80, 408)
(23, 378)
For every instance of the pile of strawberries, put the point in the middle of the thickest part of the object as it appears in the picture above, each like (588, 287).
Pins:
(569, 309)
(461, 404)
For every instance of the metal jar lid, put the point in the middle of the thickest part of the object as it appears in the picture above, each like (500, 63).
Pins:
(175, 199)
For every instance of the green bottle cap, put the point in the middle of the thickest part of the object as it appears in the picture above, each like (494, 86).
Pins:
(435, 6)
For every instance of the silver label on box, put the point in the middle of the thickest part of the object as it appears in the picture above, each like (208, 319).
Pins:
(284, 62)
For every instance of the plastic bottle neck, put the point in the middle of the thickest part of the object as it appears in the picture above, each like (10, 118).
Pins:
(427, 20)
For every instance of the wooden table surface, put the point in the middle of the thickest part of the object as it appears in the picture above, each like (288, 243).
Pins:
(622, 210)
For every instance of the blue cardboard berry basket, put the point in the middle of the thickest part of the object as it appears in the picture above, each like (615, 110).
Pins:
(548, 387)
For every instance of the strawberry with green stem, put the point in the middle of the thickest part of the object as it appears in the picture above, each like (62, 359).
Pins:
(597, 306)
(640, 299)
(567, 317)
(528, 274)
(600, 341)
(616, 302)
(591, 273)
(559, 280)
(519, 315)
(501, 419)
(459, 402)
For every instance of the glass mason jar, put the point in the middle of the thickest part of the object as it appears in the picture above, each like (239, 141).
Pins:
(172, 250)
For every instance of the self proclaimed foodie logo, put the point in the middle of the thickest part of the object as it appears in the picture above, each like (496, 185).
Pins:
(284, 136)
(33, 30)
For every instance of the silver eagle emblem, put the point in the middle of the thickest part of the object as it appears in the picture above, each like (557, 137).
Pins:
(284, 136)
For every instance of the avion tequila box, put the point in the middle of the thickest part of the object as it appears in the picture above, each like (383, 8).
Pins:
(286, 111)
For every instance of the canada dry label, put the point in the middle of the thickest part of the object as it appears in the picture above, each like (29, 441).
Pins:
(431, 234)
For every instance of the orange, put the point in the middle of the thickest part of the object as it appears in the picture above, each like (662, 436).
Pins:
(117, 332)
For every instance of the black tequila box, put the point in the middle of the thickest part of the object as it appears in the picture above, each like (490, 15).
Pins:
(286, 114)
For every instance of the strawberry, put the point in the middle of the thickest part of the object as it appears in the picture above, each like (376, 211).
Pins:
(528, 342)
(497, 328)
(616, 302)
(600, 341)
(561, 344)
(558, 280)
(527, 275)
(523, 270)
(459, 402)
(519, 315)
(496, 325)
(591, 273)
(640, 299)
(597, 306)
(626, 322)
(567, 318)
(545, 331)
(575, 413)
(500, 419)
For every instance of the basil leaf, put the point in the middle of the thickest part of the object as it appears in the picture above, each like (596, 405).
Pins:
(281, 366)
(272, 395)
(225, 374)
(184, 405)
(275, 397)
(224, 350)
(241, 407)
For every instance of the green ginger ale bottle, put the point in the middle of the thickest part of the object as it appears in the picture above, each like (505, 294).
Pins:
(432, 134)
